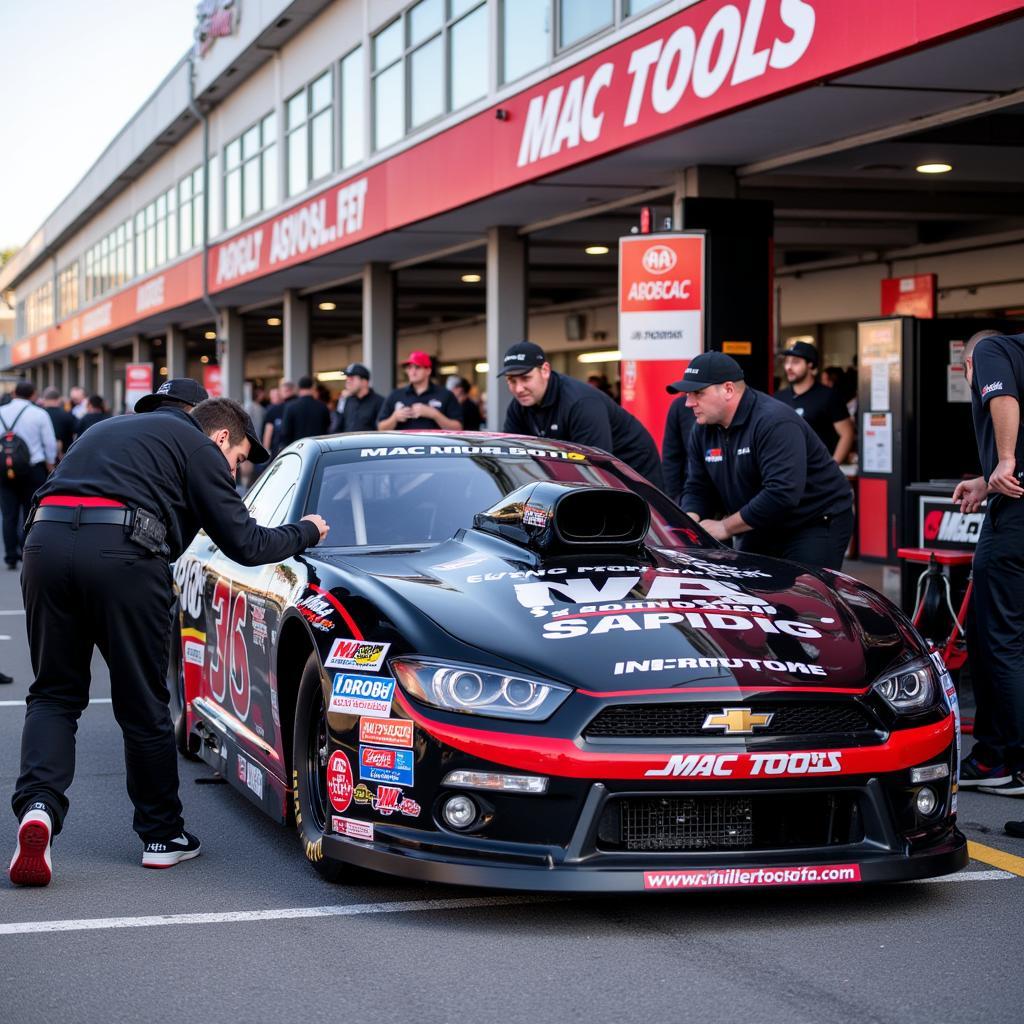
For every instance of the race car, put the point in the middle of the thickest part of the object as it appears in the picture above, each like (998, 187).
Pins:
(515, 663)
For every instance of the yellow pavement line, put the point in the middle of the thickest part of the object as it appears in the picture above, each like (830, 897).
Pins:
(997, 858)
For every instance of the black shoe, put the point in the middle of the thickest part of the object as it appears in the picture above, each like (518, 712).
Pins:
(6, 680)
(11, 565)
(976, 773)
(1014, 828)
(165, 853)
(1012, 786)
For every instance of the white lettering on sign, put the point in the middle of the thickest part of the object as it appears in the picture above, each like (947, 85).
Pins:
(240, 257)
(97, 319)
(150, 294)
(727, 50)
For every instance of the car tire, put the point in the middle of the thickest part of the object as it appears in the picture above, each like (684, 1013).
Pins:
(176, 689)
(309, 771)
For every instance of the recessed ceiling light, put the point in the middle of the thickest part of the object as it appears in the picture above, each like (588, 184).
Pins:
(210, 335)
(163, 371)
(482, 367)
(471, 278)
(328, 306)
(597, 250)
(273, 321)
(610, 355)
(204, 359)
(934, 168)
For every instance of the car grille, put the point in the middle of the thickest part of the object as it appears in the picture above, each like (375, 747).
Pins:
(670, 824)
(676, 721)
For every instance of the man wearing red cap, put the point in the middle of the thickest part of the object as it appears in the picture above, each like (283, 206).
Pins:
(421, 404)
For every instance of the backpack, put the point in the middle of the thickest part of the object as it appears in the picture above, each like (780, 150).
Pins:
(15, 459)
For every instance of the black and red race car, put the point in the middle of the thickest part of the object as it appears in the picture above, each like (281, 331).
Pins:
(517, 664)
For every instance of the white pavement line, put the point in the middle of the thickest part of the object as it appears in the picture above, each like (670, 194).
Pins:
(21, 703)
(970, 876)
(17, 611)
(246, 916)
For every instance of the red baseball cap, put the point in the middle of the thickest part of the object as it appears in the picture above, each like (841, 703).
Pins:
(419, 359)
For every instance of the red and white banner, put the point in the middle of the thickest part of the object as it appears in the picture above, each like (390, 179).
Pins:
(138, 381)
(212, 381)
(910, 296)
(697, 64)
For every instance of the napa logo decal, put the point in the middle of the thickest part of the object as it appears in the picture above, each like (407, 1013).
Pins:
(713, 455)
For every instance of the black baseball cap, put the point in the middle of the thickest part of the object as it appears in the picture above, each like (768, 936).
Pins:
(803, 350)
(178, 389)
(522, 357)
(257, 453)
(357, 370)
(706, 369)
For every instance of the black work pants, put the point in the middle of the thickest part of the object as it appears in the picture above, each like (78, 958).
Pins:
(15, 501)
(89, 586)
(996, 641)
(821, 544)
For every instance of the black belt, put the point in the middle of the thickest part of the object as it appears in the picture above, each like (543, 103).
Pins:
(80, 514)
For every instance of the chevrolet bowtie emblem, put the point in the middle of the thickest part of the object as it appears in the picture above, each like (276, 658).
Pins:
(738, 721)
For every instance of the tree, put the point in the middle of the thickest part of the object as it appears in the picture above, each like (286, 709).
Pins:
(8, 253)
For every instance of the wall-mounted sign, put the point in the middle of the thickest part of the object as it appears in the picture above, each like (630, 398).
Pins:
(910, 296)
(215, 19)
(212, 381)
(138, 381)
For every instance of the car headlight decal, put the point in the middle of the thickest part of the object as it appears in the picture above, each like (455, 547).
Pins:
(474, 690)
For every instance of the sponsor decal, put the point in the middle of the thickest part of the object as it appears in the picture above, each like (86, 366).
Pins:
(258, 616)
(195, 652)
(352, 828)
(387, 800)
(953, 526)
(996, 385)
(535, 516)
(713, 455)
(190, 578)
(339, 781)
(659, 259)
(726, 878)
(460, 563)
(363, 794)
(316, 610)
(738, 721)
(749, 766)
(471, 449)
(362, 695)
(697, 566)
(356, 654)
(391, 732)
(743, 451)
(625, 668)
(384, 764)
(251, 775)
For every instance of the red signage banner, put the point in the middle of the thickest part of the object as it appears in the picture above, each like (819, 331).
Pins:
(138, 381)
(212, 381)
(910, 296)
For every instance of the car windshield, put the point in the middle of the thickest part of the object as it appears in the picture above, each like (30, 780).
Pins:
(372, 497)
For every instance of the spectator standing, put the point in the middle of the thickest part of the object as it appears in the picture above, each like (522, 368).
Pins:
(471, 418)
(360, 406)
(78, 400)
(421, 404)
(274, 416)
(30, 452)
(64, 423)
(307, 416)
(97, 411)
(256, 407)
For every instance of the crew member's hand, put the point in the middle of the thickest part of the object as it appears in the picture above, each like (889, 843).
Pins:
(404, 413)
(716, 528)
(320, 523)
(970, 494)
(1004, 479)
(421, 410)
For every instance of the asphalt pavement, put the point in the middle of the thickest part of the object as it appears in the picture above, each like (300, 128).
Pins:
(249, 930)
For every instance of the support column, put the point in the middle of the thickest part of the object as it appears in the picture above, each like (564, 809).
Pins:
(86, 373)
(298, 343)
(704, 182)
(506, 312)
(51, 374)
(69, 374)
(379, 325)
(231, 354)
(142, 351)
(105, 374)
(177, 363)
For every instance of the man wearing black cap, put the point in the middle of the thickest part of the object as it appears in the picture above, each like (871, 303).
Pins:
(550, 404)
(362, 404)
(822, 408)
(422, 404)
(762, 465)
(177, 393)
(127, 499)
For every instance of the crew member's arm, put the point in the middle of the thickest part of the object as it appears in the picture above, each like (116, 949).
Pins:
(673, 450)
(590, 424)
(970, 494)
(1005, 412)
(448, 417)
(844, 428)
(700, 496)
(268, 434)
(781, 452)
(221, 513)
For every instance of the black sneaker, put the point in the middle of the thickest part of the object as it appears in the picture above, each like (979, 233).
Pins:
(975, 773)
(31, 864)
(1013, 785)
(165, 853)
(1014, 828)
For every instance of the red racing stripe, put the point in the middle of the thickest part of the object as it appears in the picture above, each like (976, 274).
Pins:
(357, 633)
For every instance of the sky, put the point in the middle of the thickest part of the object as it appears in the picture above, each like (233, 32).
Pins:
(72, 72)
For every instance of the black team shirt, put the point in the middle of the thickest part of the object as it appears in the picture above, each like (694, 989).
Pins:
(435, 396)
(820, 407)
(998, 370)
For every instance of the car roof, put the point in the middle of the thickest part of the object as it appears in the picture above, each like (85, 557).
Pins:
(467, 438)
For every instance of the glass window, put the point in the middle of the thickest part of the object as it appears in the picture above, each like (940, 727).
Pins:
(426, 86)
(387, 45)
(298, 161)
(213, 213)
(388, 107)
(252, 191)
(468, 60)
(425, 18)
(630, 7)
(320, 92)
(581, 18)
(265, 502)
(321, 139)
(526, 36)
(246, 162)
(352, 116)
(233, 198)
(309, 118)
(457, 7)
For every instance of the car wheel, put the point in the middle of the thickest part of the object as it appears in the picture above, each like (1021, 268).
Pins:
(176, 689)
(309, 771)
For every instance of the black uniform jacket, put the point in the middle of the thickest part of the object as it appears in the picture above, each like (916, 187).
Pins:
(768, 465)
(163, 462)
(675, 447)
(305, 417)
(361, 414)
(435, 396)
(575, 411)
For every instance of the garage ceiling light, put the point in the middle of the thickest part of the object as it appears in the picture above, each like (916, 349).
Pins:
(204, 359)
(210, 335)
(328, 306)
(611, 355)
(448, 368)
(934, 168)
(273, 321)
(597, 250)
(331, 375)
(482, 367)
(471, 278)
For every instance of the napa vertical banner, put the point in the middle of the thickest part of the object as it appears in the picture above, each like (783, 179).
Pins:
(661, 319)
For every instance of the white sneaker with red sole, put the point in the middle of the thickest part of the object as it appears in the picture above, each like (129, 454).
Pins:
(31, 864)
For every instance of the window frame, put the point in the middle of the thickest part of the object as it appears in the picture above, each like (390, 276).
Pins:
(264, 152)
(306, 125)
